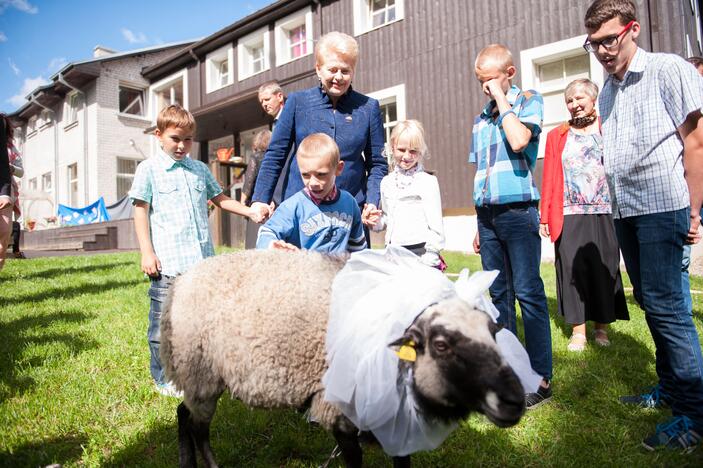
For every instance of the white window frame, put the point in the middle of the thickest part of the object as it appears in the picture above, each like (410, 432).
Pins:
(44, 177)
(45, 119)
(124, 175)
(282, 35)
(531, 59)
(32, 126)
(244, 55)
(32, 184)
(213, 68)
(362, 16)
(70, 182)
(383, 96)
(145, 107)
(163, 84)
(72, 103)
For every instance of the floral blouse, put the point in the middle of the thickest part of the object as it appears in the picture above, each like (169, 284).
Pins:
(585, 186)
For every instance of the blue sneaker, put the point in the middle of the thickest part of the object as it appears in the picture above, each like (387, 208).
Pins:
(654, 397)
(676, 433)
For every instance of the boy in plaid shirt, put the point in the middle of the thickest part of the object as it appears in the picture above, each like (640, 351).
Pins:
(504, 148)
(170, 194)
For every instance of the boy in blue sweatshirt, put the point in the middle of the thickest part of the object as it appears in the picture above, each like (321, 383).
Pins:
(319, 217)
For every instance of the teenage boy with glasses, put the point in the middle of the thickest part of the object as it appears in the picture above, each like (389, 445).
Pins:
(652, 131)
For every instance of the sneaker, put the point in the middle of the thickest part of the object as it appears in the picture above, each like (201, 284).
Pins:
(169, 390)
(543, 395)
(676, 433)
(654, 397)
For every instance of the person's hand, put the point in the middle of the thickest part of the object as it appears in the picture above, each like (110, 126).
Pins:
(371, 217)
(694, 234)
(151, 264)
(477, 244)
(367, 213)
(282, 245)
(492, 89)
(544, 230)
(260, 212)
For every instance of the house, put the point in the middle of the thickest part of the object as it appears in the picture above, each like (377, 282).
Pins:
(416, 58)
(82, 134)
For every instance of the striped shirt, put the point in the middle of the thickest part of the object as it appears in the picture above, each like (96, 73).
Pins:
(643, 152)
(503, 176)
(177, 193)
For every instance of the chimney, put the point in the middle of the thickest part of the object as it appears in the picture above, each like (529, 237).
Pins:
(101, 51)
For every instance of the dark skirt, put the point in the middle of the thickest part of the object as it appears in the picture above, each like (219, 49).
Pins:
(589, 285)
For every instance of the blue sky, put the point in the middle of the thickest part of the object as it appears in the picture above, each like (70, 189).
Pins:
(38, 37)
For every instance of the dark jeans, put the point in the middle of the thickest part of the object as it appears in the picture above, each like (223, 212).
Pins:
(685, 281)
(510, 243)
(157, 295)
(652, 246)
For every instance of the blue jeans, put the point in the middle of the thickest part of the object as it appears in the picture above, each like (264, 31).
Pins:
(157, 295)
(510, 243)
(652, 246)
(685, 283)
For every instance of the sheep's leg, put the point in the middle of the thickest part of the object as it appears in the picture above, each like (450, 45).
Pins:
(401, 462)
(349, 445)
(186, 447)
(201, 416)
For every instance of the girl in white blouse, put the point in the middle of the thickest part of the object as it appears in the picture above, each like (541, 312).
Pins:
(411, 206)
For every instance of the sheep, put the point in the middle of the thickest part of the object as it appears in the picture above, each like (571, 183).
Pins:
(254, 323)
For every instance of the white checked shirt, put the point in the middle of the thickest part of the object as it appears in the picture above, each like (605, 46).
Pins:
(177, 192)
(643, 152)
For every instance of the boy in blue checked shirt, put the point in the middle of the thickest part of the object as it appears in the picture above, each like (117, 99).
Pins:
(504, 147)
(319, 217)
(170, 194)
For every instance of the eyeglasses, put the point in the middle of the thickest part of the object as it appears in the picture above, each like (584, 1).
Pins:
(609, 42)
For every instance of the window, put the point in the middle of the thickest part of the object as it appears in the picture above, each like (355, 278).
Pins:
(72, 103)
(31, 125)
(44, 118)
(32, 184)
(219, 68)
(252, 53)
(46, 182)
(293, 36)
(549, 69)
(170, 90)
(372, 14)
(131, 101)
(126, 168)
(72, 174)
(392, 103)
(246, 139)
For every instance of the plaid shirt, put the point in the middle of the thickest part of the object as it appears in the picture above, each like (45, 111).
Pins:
(509, 178)
(643, 152)
(177, 193)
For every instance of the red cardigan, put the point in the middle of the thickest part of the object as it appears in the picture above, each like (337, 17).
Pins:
(552, 194)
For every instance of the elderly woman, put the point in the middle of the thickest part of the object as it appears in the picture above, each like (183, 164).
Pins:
(576, 215)
(350, 118)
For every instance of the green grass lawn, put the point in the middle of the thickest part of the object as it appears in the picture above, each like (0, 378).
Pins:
(75, 387)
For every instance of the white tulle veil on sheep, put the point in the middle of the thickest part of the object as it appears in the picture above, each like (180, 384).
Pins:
(375, 298)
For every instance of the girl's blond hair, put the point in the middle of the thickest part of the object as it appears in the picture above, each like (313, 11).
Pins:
(415, 131)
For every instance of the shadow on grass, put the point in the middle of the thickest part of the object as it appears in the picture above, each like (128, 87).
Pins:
(68, 292)
(57, 271)
(17, 335)
(63, 450)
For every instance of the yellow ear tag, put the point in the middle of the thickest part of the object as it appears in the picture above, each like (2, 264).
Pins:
(407, 352)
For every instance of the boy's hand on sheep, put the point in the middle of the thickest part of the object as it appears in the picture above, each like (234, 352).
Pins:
(151, 264)
(282, 245)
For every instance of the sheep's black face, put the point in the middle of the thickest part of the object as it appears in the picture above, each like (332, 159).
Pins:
(459, 369)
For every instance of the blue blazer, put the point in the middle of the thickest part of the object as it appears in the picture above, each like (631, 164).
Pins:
(355, 124)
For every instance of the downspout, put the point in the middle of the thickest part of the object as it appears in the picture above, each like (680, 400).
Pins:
(86, 192)
(33, 99)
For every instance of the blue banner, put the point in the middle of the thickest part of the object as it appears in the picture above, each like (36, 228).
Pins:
(94, 213)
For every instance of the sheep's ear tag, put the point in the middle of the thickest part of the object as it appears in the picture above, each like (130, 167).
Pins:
(407, 352)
